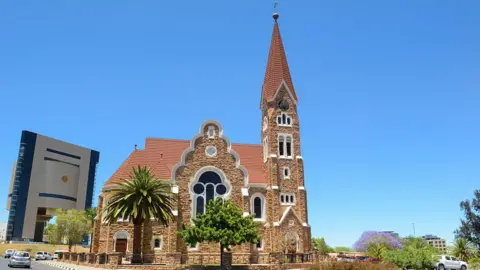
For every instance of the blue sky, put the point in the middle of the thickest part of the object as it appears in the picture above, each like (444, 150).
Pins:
(388, 93)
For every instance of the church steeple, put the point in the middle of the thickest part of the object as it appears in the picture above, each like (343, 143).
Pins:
(277, 71)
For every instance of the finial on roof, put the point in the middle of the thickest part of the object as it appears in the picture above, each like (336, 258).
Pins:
(275, 14)
(135, 146)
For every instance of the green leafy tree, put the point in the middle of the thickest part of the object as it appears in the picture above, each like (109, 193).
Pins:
(343, 249)
(137, 199)
(91, 213)
(52, 234)
(223, 222)
(71, 226)
(416, 254)
(321, 246)
(474, 263)
(463, 250)
(470, 226)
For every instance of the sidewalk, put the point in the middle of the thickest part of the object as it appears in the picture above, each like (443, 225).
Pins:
(68, 266)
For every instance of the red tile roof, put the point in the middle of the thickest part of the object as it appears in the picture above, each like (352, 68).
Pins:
(161, 155)
(277, 67)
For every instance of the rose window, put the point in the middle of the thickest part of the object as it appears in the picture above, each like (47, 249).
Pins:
(208, 187)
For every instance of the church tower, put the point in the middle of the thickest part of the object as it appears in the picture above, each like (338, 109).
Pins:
(286, 202)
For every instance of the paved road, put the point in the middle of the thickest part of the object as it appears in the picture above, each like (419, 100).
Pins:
(35, 265)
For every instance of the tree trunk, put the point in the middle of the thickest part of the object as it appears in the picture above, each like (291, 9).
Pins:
(91, 241)
(221, 257)
(137, 241)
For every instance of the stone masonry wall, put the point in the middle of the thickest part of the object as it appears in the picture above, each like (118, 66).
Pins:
(274, 168)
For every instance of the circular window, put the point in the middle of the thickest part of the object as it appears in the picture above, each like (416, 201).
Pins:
(211, 151)
(198, 188)
(221, 189)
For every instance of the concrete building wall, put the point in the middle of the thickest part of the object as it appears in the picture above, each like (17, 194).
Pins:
(53, 174)
(3, 231)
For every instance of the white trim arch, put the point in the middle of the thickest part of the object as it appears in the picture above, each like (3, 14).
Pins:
(283, 83)
(194, 180)
(191, 148)
(262, 206)
(122, 234)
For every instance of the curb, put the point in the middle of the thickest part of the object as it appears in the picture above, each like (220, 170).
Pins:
(61, 266)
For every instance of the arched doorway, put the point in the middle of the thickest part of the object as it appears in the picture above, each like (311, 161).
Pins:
(120, 239)
(291, 246)
(291, 242)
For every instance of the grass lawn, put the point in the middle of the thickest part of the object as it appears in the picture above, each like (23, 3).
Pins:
(34, 248)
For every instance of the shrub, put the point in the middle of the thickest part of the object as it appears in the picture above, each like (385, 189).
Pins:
(352, 266)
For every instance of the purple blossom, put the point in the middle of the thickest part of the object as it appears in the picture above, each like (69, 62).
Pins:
(376, 237)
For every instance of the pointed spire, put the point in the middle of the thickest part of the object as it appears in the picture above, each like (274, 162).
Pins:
(277, 67)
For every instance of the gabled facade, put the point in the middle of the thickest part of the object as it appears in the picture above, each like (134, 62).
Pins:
(265, 180)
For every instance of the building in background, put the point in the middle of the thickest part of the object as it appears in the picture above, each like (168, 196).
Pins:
(48, 174)
(436, 242)
(3, 231)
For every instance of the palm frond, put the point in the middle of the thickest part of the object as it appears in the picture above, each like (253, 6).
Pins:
(140, 198)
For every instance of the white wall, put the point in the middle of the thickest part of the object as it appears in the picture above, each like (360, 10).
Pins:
(47, 175)
(54, 171)
(3, 231)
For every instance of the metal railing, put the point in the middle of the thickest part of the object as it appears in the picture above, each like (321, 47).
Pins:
(298, 258)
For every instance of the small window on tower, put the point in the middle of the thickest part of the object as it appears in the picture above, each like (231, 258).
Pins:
(281, 142)
(287, 198)
(289, 146)
(285, 146)
(286, 173)
(284, 120)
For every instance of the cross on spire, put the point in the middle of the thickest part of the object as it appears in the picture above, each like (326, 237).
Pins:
(275, 14)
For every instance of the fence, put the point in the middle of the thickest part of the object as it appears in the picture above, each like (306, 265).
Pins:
(116, 259)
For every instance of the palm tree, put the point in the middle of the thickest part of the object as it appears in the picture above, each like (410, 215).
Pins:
(377, 250)
(138, 199)
(91, 213)
(463, 250)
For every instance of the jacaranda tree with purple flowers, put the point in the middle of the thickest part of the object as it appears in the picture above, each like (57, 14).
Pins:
(378, 238)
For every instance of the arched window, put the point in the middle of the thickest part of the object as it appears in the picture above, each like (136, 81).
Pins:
(157, 242)
(208, 187)
(257, 207)
(284, 120)
(257, 203)
(265, 123)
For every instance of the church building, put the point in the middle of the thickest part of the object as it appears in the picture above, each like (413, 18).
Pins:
(265, 180)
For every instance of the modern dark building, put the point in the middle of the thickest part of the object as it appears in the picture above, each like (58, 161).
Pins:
(48, 174)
